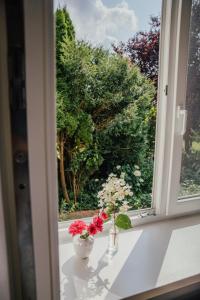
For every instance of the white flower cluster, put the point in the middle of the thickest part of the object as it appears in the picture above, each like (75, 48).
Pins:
(137, 172)
(114, 192)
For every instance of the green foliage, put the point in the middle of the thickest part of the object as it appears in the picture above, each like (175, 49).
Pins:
(105, 115)
(64, 32)
(123, 221)
(64, 26)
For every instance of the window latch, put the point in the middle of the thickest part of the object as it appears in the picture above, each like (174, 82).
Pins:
(181, 116)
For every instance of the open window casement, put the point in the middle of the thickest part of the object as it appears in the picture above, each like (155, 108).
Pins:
(173, 109)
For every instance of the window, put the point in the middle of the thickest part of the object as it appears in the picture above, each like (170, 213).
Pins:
(177, 141)
(107, 74)
(172, 87)
(175, 94)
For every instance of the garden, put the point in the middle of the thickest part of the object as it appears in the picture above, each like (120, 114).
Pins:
(106, 117)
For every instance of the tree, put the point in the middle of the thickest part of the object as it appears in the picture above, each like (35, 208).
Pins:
(103, 113)
(143, 50)
(64, 32)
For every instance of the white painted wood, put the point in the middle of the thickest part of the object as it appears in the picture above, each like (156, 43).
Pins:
(170, 168)
(173, 72)
(41, 118)
(168, 107)
(42, 159)
(177, 98)
(149, 256)
(159, 168)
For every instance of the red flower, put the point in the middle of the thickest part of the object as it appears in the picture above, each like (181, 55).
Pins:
(104, 215)
(77, 227)
(98, 222)
(92, 229)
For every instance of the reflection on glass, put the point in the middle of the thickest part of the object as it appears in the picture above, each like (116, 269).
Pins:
(190, 169)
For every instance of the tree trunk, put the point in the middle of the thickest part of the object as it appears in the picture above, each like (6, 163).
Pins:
(74, 188)
(62, 169)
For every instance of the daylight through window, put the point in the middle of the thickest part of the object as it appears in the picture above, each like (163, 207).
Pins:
(107, 74)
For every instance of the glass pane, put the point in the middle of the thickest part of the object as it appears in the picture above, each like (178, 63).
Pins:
(190, 170)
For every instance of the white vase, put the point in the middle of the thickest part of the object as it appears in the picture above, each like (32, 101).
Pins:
(83, 247)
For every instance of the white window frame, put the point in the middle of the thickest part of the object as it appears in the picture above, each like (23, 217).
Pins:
(41, 125)
(158, 183)
(173, 74)
(41, 112)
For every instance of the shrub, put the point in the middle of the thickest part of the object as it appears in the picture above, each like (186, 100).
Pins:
(104, 118)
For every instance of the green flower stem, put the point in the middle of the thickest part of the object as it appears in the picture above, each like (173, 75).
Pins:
(84, 236)
(114, 217)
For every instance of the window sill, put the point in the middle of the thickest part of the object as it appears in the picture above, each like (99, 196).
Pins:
(149, 256)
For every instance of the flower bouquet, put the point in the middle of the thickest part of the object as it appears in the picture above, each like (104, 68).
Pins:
(113, 199)
(83, 234)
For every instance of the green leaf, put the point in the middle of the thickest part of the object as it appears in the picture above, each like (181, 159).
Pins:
(123, 221)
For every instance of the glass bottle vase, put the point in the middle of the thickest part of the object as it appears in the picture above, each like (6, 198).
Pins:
(113, 237)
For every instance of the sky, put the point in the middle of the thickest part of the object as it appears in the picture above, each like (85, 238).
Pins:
(103, 22)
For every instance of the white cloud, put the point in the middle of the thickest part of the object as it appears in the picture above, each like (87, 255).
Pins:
(100, 24)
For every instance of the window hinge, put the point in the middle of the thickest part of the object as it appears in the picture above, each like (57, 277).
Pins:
(166, 90)
(181, 120)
